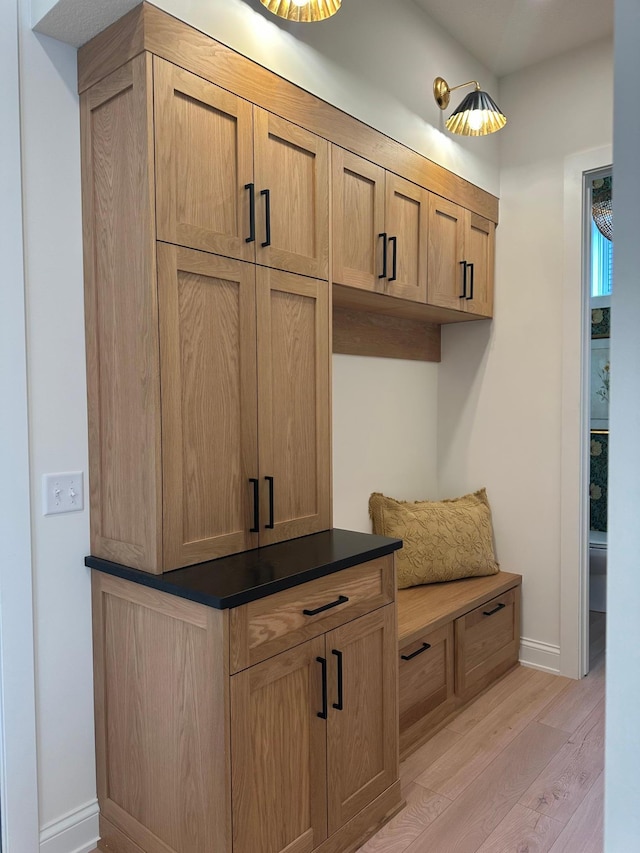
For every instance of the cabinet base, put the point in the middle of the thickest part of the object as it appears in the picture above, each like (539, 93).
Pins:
(351, 836)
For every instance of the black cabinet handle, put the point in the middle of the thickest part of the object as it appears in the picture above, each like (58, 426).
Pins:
(394, 264)
(267, 215)
(419, 651)
(342, 599)
(270, 525)
(339, 706)
(495, 610)
(323, 714)
(463, 295)
(384, 254)
(252, 213)
(256, 506)
(471, 267)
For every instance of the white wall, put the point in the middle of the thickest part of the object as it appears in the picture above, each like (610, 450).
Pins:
(500, 400)
(381, 72)
(622, 816)
(58, 437)
(384, 434)
(18, 778)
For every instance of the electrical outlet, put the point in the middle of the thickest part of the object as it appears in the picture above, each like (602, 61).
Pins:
(62, 492)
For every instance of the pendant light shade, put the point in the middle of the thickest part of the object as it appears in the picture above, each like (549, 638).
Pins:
(303, 10)
(602, 206)
(477, 115)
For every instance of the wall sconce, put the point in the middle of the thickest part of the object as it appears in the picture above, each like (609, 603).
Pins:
(477, 115)
(303, 10)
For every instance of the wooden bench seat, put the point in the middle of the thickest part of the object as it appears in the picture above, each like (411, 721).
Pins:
(454, 640)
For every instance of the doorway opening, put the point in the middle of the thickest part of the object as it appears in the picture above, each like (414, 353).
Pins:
(598, 278)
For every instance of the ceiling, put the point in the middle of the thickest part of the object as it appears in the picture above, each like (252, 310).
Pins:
(506, 35)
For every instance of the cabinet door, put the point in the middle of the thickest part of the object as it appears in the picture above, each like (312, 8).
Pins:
(362, 728)
(407, 215)
(209, 393)
(293, 405)
(358, 220)
(426, 676)
(204, 159)
(447, 288)
(278, 753)
(479, 251)
(292, 196)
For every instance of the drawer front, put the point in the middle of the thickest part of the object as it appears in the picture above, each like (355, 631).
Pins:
(487, 642)
(426, 677)
(270, 625)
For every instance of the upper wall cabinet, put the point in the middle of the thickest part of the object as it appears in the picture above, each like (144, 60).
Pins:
(379, 229)
(235, 180)
(461, 258)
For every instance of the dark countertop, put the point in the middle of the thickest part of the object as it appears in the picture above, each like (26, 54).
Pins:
(235, 580)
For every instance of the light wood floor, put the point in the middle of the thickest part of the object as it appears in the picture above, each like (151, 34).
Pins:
(519, 770)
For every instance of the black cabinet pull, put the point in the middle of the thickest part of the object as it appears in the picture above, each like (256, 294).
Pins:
(323, 714)
(394, 263)
(256, 506)
(471, 267)
(463, 295)
(267, 217)
(342, 599)
(270, 525)
(384, 254)
(419, 651)
(252, 213)
(495, 610)
(339, 706)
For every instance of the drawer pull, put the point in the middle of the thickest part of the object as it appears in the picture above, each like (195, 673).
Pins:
(256, 506)
(267, 215)
(463, 295)
(342, 599)
(394, 265)
(323, 714)
(270, 525)
(495, 610)
(419, 651)
(339, 704)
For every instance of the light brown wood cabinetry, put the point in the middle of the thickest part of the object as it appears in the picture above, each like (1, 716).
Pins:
(379, 229)
(298, 752)
(233, 374)
(461, 258)
(455, 639)
(293, 405)
(235, 180)
(362, 758)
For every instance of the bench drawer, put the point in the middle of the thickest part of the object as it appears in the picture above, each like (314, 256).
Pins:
(270, 625)
(487, 642)
(426, 676)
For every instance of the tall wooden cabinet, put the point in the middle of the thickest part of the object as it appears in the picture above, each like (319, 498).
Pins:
(209, 398)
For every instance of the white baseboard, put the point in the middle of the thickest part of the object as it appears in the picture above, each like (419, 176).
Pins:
(538, 655)
(75, 832)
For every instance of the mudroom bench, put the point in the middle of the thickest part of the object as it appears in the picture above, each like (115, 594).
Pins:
(454, 640)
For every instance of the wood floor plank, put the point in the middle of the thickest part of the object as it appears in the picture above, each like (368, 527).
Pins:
(426, 755)
(461, 764)
(572, 707)
(474, 815)
(422, 808)
(567, 779)
(523, 830)
(492, 699)
(584, 832)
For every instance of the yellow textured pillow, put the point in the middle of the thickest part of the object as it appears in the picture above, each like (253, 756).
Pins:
(443, 540)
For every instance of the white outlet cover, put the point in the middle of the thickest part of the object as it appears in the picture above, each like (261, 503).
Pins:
(62, 492)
